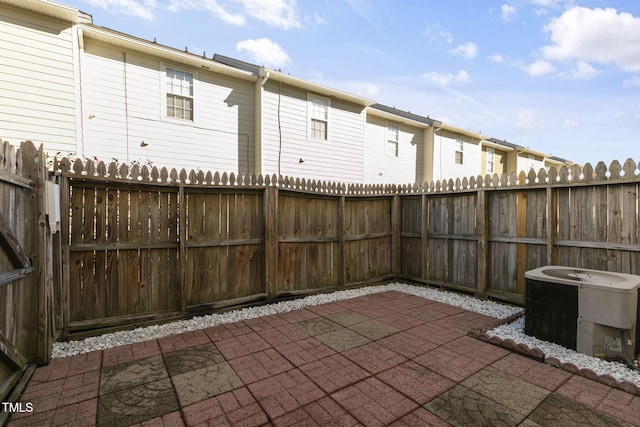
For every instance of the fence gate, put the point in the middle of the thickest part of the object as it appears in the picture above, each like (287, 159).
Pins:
(25, 268)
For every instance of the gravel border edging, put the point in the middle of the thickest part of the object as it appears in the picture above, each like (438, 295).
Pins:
(104, 341)
(538, 355)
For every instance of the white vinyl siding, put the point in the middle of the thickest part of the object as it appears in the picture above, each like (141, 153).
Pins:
(221, 139)
(37, 87)
(380, 166)
(444, 156)
(286, 138)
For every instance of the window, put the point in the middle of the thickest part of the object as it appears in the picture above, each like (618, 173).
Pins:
(491, 155)
(531, 161)
(318, 118)
(459, 147)
(179, 91)
(393, 135)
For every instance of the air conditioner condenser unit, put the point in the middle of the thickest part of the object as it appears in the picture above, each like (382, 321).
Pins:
(593, 312)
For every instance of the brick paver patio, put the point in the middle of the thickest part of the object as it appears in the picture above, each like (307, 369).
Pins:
(382, 359)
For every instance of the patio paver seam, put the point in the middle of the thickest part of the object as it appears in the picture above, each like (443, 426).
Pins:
(173, 386)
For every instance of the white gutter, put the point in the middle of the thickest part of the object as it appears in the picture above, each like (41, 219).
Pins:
(396, 118)
(151, 48)
(316, 88)
(496, 146)
(265, 77)
(461, 131)
(48, 8)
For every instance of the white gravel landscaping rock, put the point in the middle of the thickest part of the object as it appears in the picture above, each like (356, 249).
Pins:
(65, 349)
(514, 330)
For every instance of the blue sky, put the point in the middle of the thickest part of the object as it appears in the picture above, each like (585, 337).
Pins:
(560, 77)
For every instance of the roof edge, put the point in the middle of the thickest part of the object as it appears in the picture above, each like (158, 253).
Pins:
(116, 38)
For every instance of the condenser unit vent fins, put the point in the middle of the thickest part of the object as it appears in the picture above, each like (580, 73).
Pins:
(551, 312)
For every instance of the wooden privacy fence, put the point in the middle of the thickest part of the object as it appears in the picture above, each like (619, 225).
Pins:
(142, 244)
(29, 287)
(138, 245)
(481, 235)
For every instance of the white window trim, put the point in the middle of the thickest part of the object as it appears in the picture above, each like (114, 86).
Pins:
(491, 151)
(163, 94)
(388, 141)
(460, 150)
(310, 98)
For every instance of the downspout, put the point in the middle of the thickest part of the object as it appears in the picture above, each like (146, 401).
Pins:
(435, 131)
(80, 149)
(126, 102)
(264, 74)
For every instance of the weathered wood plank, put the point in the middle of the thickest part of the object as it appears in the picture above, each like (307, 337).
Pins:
(14, 275)
(270, 245)
(521, 231)
(10, 354)
(483, 235)
(11, 245)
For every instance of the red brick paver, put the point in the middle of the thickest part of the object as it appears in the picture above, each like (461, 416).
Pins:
(334, 372)
(380, 359)
(374, 403)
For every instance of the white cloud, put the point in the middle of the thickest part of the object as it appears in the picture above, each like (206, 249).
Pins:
(442, 79)
(632, 82)
(360, 7)
(230, 18)
(142, 10)
(508, 12)
(317, 19)
(568, 123)
(546, 3)
(434, 33)
(468, 50)
(264, 52)
(596, 35)
(369, 90)
(583, 71)
(496, 58)
(277, 13)
(526, 119)
(539, 68)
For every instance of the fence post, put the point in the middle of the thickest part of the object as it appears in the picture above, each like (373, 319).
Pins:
(396, 239)
(182, 224)
(271, 240)
(483, 231)
(552, 225)
(424, 240)
(66, 255)
(341, 241)
(521, 248)
(35, 288)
